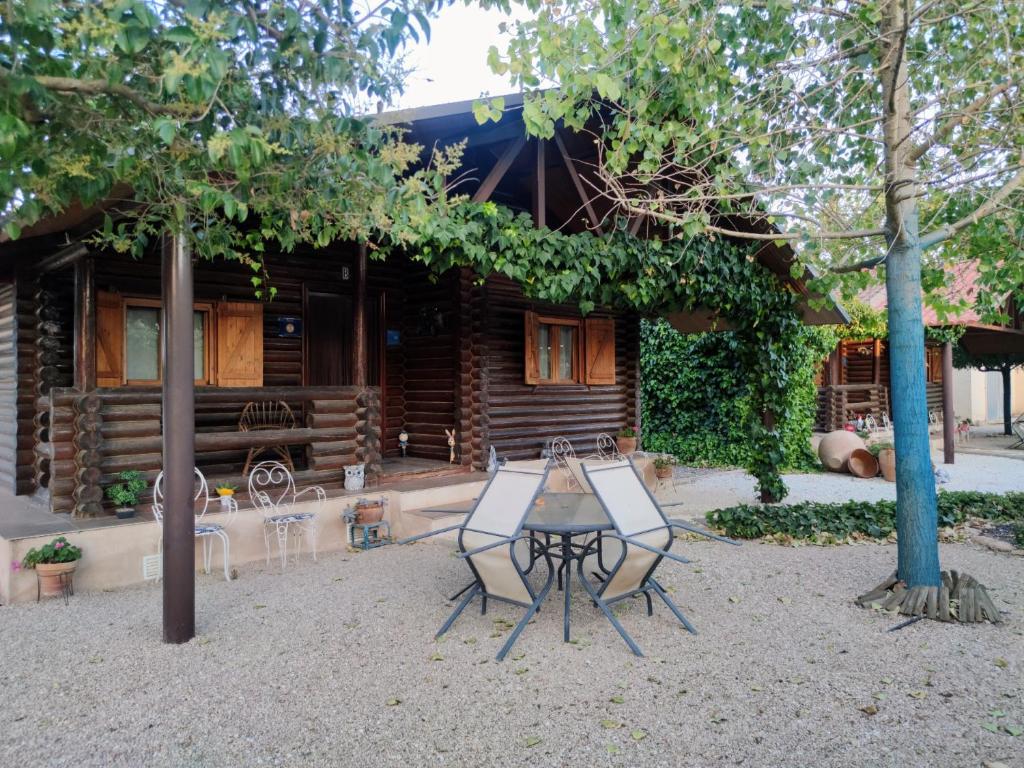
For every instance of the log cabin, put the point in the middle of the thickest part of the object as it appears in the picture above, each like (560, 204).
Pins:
(359, 350)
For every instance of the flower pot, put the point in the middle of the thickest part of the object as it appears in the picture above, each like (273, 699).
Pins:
(862, 464)
(887, 463)
(50, 577)
(124, 513)
(369, 512)
(626, 444)
(663, 473)
(835, 448)
(225, 501)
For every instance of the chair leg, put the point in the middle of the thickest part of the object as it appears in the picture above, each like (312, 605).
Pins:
(650, 603)
(266, 539)
(672, 606)
(608, 613)
(312, 537)
(483, 605)
(461, 607)
(227, 554)
(541, 596)
(461, 591)
(282, 544)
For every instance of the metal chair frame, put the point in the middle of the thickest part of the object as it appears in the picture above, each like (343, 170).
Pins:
(205, 532)
(608, 448)
(264, 415)
(560, 448)
(1017, 428)
(477, 586)
(271, 487)
(647, 583)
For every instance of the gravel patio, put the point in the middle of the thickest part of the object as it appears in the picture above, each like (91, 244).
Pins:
(333, 663)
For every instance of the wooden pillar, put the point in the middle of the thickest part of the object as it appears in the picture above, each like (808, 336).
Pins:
(948, 417)
(178, 443)
(359, 342)
(1007, 399)
(540, 187)
(876, 368)
(85, 324)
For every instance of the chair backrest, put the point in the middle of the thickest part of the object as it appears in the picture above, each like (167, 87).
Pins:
(576, 468)
(507, 499)
(202, 493)
(607, 447)
(271, 485)
(266, 414)
(622, 493)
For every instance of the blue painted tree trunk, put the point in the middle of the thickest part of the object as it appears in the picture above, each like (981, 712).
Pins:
(916, 515)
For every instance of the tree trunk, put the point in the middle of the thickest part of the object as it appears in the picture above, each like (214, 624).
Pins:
(1007, 399)
(916, 519)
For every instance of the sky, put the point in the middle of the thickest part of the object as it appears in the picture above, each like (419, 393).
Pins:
(453, 66)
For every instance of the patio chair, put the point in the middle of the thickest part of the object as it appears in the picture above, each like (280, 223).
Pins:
(487, 539)
(272, 491)
(608, 448)
(646, 536)
(264, 415)
(205, 531)
(1017, 428)
(561, 450)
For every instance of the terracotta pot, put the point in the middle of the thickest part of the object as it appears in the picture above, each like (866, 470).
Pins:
(49, 577)
(835, 448)
(626, 444)
(862, 464)
(663, 473)
(887, 463)
(369, 513)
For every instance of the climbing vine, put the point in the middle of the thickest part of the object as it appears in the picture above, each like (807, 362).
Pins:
(648, 276)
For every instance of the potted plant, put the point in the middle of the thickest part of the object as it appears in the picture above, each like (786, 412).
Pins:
(125, 494)
(663, 467)
(626, 439)
(226, 491)
(52, 562)
(886, 455)
(365, 512)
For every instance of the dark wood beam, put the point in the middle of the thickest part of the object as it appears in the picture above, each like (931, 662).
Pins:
(634, 225)
(179, 546)
(948, 417)
(359, 340)
(540, 186)
(499, 170)
(85, 325)
(65, 257)
(576, 182)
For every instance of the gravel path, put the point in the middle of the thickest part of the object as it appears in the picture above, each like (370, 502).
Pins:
(701, 490)
(298, 670)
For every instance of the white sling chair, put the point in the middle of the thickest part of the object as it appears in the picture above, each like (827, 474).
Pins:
(487, 539)
(646, 536)
(205, 531)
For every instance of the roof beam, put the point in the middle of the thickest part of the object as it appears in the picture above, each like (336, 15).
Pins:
(499, 170)
(540, 203)
(65, 257)
(577, 183)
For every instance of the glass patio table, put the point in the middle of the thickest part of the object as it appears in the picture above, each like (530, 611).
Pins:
(563, 516)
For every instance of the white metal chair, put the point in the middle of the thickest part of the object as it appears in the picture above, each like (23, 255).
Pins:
(561, 450)
(646, 536)
(608, 448)
(272, 491)
(487, 539)
(205, 531)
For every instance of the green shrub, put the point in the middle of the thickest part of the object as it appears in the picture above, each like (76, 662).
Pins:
(60, 550)
(877, 519)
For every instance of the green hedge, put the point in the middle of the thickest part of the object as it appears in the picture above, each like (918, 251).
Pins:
(696, 397)
(814, 520)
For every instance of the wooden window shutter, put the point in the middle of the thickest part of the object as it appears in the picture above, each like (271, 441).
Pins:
(531, 351)
(239, 344)
(599, 347)
(109, 340)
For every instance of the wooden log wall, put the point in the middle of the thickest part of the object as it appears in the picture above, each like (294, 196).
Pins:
(8, 386)
(465, 363)
(25, 320)
(479, 377)
(54, 361)
(841, 403)
(523, 417)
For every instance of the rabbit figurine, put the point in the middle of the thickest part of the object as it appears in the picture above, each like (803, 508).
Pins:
(451, 445)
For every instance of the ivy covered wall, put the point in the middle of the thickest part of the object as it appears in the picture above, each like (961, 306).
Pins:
(696, 396)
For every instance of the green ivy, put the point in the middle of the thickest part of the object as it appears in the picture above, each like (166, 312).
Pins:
(696, 397)
(649, 276)
(827, 522)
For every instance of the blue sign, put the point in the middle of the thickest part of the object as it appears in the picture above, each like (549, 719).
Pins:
(394, 337)
(289, 327)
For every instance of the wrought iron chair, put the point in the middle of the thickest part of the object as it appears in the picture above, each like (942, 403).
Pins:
(272, 491)
(264, 415)
(646, 536)
(608, 448)
(560, 449)
(487, 539)
(205, 531)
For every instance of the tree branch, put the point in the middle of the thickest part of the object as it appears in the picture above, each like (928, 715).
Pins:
(95, 87)
(990, 205)
(952, 124)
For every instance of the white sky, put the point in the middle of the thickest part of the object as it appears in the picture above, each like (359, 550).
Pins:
(453, 66)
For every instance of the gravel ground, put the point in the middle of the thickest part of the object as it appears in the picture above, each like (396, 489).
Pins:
(299, 669)
(701, 490)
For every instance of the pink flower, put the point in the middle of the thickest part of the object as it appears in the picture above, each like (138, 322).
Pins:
(59, 545)
(15, 565)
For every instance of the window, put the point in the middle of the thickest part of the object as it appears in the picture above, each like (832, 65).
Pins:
(564, 350)
(129, 338)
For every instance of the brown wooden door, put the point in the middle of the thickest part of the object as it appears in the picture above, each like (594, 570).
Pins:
(327, 328)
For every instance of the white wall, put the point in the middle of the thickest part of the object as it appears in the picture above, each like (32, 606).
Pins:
(970, 394)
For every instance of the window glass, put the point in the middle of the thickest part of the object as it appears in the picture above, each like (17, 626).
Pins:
(544, 342)
(142, 344)
(199, 338)
(566, 346)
